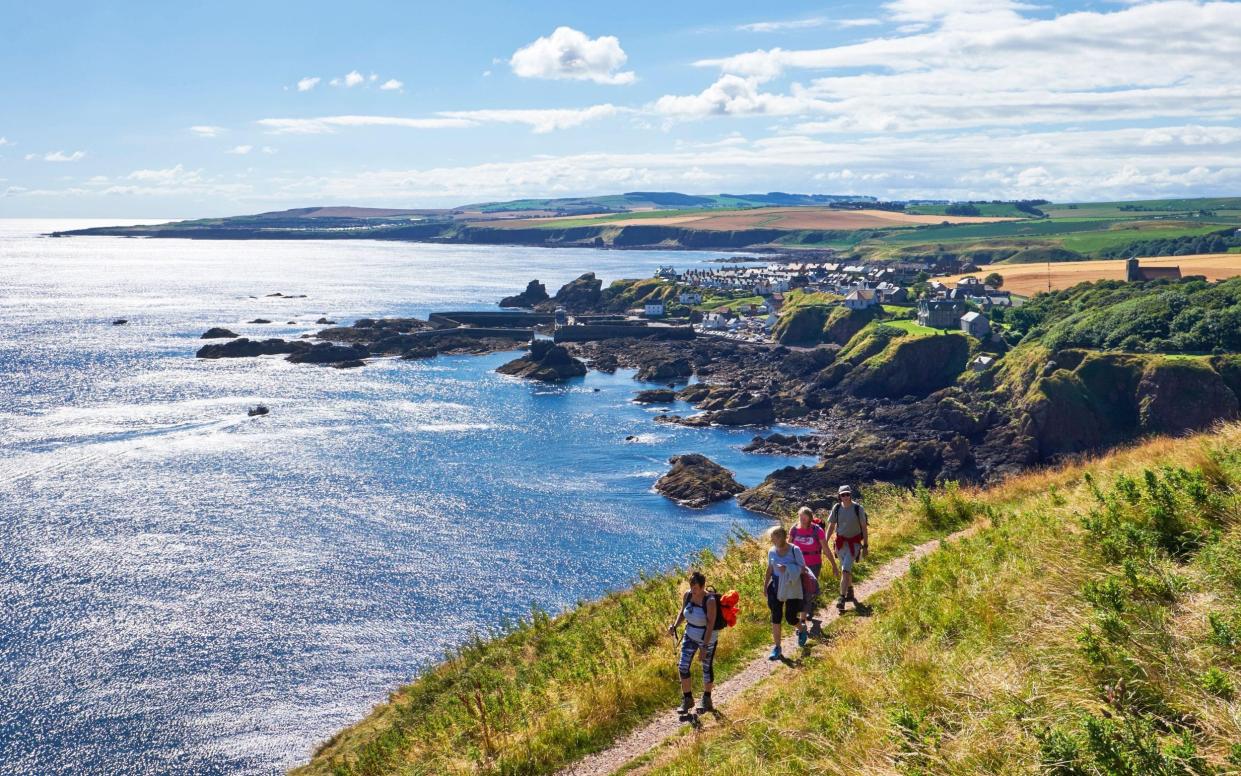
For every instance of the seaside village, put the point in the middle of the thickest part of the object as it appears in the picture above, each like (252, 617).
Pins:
(743, 302)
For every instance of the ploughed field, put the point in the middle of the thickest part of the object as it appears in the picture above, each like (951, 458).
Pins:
(790, 218)
(1030, 279)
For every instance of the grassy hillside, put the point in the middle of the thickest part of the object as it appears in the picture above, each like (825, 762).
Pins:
(550, 689)
(1040, 645)
(1092, 628)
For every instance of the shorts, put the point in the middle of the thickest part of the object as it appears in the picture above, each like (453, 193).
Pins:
(846, 556)
(790, 608)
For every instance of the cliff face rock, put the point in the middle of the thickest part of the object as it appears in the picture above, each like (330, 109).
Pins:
(696, 481)
(1109, 397)
(546, 362)
(660, 369)
(755, 411)
(248, 348)
(535, 293)
(910, 366)
(1182, 395)
(582, 294)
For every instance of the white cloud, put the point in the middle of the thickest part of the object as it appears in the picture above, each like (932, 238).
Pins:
(176, 174)
(205, 130)
(733, 95)
(328, 124)
(4, 141)
(981, 62)
(539, 120)
(57, 156)
(1059, 164)
(240, 150)
(391, 85)
(353, 78)
(568, 54)
(308, 83)
(268, 150)
(805, 24)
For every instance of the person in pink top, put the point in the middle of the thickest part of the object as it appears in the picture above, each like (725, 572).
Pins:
(811, 539)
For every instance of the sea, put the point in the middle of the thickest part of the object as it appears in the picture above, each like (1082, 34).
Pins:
(185, 589)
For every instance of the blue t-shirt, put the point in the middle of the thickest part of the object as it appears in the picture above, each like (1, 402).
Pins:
(792, 559)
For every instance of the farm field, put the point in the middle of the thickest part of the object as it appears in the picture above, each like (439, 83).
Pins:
(1030, 279)
(790, 218)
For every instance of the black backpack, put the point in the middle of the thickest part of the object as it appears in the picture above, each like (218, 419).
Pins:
(712, 593)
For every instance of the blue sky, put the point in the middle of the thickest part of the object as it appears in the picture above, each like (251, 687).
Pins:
(164, 109)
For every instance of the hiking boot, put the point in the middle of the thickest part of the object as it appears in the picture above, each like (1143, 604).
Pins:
(687, 703)
(705, 704)
(850, 596)
(840, 604)
(801, 637)
(775, 654)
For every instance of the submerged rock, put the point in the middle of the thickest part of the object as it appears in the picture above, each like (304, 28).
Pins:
(216, 332)
(545, 361)
(656, 396)
(535, 293)
(259, 320)
(329, 353)
(258, 409)
(696, 481)
(120, 322)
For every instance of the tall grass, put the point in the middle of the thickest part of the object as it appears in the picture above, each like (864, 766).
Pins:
(552, 688)
(1093, 628)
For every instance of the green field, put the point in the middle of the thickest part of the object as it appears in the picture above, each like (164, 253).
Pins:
(913, 327)
(992, 209)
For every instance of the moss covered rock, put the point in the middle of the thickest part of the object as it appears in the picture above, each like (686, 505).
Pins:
(910, 366)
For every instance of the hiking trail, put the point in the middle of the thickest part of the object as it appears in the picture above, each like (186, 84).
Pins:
(668, 724)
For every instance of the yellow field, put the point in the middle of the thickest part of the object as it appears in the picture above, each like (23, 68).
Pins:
(1029, 279)
(791, 218)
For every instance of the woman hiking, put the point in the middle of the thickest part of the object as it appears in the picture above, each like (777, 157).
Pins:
(848, 523)
(698, 612)
(782, 581)
(812, 541)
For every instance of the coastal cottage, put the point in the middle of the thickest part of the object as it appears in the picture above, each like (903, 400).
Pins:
(939, 313)
(666, 272)
(976, 325)
(654, 309)
(982, 363)
(860, 299)
(690, 298)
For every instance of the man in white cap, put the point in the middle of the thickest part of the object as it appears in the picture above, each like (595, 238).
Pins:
(848, 523)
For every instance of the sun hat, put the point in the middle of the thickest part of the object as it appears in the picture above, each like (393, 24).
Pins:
(843, 490)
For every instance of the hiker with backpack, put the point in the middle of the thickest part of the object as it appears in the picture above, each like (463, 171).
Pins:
(703, 615)
(783, 583)
(811, 539)
(848, 522)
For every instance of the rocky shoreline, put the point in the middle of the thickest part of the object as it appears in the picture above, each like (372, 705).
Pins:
(905, 410)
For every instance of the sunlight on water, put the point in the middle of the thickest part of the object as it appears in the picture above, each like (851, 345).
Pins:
(190, 590)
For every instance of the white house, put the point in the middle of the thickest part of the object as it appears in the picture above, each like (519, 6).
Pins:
(981, 363)
(975, 325)
(714, 321)
(690, 298)
(654, 309)
(860, 299)
(667, 272)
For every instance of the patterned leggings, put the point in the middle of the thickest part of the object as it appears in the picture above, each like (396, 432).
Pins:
(688, 647)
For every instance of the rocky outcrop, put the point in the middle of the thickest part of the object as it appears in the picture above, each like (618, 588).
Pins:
(1182, 395)
(749, 411)
(535, 294)
(259, 320)
(785, 444)
(216, 332)
(661, 369)
(656, 396)
(546, 362)
(696, 481)
(910, 366)
(248, 348)
(330, 353)
(582, 294)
